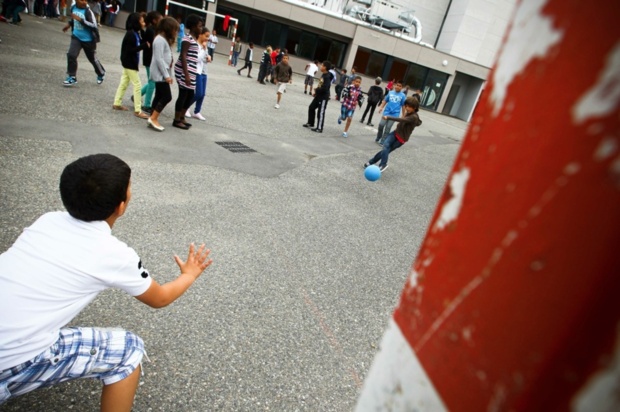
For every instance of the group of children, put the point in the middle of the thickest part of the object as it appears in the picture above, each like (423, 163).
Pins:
(154, 36)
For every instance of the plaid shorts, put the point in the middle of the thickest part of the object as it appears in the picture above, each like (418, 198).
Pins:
(109, 355)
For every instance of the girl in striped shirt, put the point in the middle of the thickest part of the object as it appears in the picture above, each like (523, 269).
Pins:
(185, 71)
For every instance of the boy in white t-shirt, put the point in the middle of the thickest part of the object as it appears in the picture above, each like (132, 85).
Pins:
(56, 267)
(311, 69)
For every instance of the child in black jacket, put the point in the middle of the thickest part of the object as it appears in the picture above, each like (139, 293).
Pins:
(375, 94)
(130, 59)
(321, 97)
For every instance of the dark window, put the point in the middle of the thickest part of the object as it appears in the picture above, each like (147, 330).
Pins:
(292, 41)
(307, 45)
(376, 64)
(415, 76)
(257, 29)
(398, 70)
(361, 60)
(322, 49)
(272, 34)
(336, 53)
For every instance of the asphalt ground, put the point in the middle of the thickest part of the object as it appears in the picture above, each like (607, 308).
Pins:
(309, 257)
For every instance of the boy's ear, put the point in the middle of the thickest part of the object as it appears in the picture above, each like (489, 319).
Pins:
(120, 209)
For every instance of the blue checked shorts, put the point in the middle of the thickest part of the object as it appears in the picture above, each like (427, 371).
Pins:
(109, 355)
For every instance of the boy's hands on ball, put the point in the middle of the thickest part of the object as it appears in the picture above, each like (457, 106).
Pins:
(197, 261)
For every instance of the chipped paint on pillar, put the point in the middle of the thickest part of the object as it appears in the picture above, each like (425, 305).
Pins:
(511, 303)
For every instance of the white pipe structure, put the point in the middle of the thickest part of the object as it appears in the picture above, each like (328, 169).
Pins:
(236, 21)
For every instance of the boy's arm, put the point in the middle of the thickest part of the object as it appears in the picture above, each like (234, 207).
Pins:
(158, 296)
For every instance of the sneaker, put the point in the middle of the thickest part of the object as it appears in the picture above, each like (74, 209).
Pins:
(382, 168)
(344, 134)
(198, 116)
(239, 72)
(370, 124)
(379, 142)
(366, 165)
(249, 76)
(69, 81)
(316, 129)
(100, 79)
(188, 113)
(277, 106)
(305, 92)
(308, 125)
(362, 121)
(339, 120)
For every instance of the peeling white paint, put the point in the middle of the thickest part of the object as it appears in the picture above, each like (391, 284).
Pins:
(413, 278)
(603, 98)
(396, 380)
(451, 209)
(600, 393)
(606, 148)
(531, 36)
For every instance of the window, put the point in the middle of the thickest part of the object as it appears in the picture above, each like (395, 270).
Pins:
(398, 70)
(376, 63)
(272, 34)
(322, 49)
(307, 45)
(336, 53)
(415, 76)
(292, 41)
(257, 28)
(361, 60)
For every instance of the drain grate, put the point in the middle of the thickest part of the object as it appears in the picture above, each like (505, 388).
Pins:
(236, 147)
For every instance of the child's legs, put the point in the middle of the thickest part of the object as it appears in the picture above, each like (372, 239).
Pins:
(372, 111)
(74, 51)
(134, 77)
(119, 396)
(389, 145)
(122, 87)
(181, 105)
(201, 87)
(90, 50)
(312, 110)
(163, 96)
(150, 88)
(387, 128)
(321, 114)
(110, 355)
(346, 126)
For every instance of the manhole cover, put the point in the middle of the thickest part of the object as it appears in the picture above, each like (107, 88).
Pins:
(236, 147)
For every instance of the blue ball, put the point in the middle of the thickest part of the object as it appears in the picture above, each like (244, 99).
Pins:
(372, 173)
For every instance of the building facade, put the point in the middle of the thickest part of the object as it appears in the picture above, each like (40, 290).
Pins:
(445, 48)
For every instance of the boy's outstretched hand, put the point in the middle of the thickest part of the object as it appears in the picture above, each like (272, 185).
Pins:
(197, 261)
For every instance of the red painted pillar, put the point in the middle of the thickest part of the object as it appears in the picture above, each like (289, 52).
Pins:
(513, 302)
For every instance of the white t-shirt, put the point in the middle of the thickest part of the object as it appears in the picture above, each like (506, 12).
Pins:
(312, 69)
(212, 42)
(54, 269)
(201, 63)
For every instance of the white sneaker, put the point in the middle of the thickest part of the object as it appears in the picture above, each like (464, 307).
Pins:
(277, 106)
(188, 114)
(199, 116)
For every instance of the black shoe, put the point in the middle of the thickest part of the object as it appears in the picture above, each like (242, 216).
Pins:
(308, 125)
(362, 121)
(382, 168)
(305, 92)
(239, 72)
(370, 124)
(249, 76)
(180, 125)
(262, 83)
(366, 165)
(316, 129)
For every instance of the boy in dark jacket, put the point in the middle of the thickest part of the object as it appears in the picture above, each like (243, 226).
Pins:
(283, 74)
(130, 59)
(375, 94)
(401, 135)
(321, 97)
